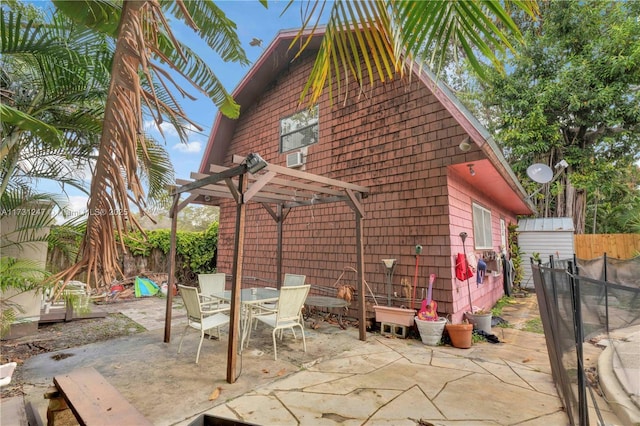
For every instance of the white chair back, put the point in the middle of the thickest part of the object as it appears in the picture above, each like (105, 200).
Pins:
(293, 280)
(290, 303)
(211, 284)
(198, 318)
(191, 301)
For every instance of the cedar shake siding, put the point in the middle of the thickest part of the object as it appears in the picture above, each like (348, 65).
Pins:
(401, 142)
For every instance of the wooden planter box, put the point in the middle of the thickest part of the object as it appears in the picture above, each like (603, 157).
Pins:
(390, 315)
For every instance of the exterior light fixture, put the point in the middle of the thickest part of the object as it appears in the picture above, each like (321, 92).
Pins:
(471, 171)
(465, 145)
(254, 163)
(388, 263)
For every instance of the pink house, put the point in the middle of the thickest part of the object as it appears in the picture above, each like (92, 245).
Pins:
(431, 169)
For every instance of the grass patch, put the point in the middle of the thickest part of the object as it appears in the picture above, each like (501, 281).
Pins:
(504, 325)
(496, 311)
(476, 338)
(533, 325)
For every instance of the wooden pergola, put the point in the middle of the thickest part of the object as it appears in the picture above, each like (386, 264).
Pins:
(278, 189)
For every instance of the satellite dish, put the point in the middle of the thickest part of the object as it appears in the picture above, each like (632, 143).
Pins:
(540, 173)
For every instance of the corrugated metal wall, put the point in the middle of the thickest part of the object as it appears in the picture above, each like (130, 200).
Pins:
(547, 236)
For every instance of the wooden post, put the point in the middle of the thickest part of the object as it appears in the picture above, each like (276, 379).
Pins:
(171, 280)
(280, 227)
(236, 289)
(362, 326)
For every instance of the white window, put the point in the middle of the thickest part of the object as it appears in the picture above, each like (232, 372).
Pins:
(299, 129)
(482, 227)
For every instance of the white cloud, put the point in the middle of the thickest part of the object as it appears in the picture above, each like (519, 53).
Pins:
(76, 206)
(192, 147)
(168, 130)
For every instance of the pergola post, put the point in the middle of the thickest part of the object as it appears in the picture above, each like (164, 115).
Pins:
(279, 230)
(362, 326)
(236, 288)
(173, 214)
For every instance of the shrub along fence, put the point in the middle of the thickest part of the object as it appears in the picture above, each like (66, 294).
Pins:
(196, 253)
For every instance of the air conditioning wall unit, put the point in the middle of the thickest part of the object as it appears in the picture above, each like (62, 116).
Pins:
(295, 159)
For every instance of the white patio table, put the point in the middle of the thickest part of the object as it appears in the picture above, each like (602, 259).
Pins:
(250, 298)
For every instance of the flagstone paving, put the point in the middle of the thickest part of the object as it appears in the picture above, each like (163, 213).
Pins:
(339, 380)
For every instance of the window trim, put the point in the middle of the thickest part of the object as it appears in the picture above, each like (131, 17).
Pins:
(480, 241)
(299, 129)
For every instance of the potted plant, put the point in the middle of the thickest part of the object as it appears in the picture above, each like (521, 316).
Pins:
(392, 315)
(430, 326)
(389, 314)
(460, 334)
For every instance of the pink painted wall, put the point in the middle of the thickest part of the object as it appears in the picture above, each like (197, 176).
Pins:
(461, 197)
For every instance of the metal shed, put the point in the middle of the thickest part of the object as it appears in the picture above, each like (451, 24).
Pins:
(547, 236)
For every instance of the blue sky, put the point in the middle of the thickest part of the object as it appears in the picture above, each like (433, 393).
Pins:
(253, 20)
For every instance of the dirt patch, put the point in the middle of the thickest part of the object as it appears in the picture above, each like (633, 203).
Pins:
(58, 336)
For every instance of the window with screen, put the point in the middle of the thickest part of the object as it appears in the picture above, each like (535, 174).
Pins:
(299, 129)
(482, 227)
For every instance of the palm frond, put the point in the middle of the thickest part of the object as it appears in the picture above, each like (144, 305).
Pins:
(213, 26)
(30, 217)
(15, 117)
(101, 15)
(156, 169)
(381, 35)
(20, 274)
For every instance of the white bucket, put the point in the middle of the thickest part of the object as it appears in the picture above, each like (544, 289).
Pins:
(431, 331)
(480, 321)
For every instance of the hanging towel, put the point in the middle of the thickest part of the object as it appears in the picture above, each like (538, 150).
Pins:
(463, 270)
(471, 260)
(482, 270)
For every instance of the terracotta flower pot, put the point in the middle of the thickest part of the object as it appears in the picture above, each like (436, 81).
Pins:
(460, 335)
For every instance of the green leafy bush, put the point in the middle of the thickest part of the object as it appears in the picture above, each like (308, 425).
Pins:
(515, 255)
(196, 249)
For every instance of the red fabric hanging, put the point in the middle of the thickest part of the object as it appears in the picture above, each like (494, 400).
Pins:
(463, 270)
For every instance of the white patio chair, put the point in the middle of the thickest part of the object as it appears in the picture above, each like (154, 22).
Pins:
(211, 285)
(289, 280)
(198, 318)
(293, 280)
(287, 314)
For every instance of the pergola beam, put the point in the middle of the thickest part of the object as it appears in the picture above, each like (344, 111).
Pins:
(287, 186)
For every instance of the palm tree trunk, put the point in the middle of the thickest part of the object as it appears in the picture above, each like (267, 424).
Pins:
(115, 181)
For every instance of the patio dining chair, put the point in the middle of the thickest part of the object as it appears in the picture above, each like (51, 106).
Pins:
(293, 280)
(211, 285)
(287, 314)
(289, 280)
(200, 317)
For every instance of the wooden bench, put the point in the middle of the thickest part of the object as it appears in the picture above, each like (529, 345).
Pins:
(94, 401)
